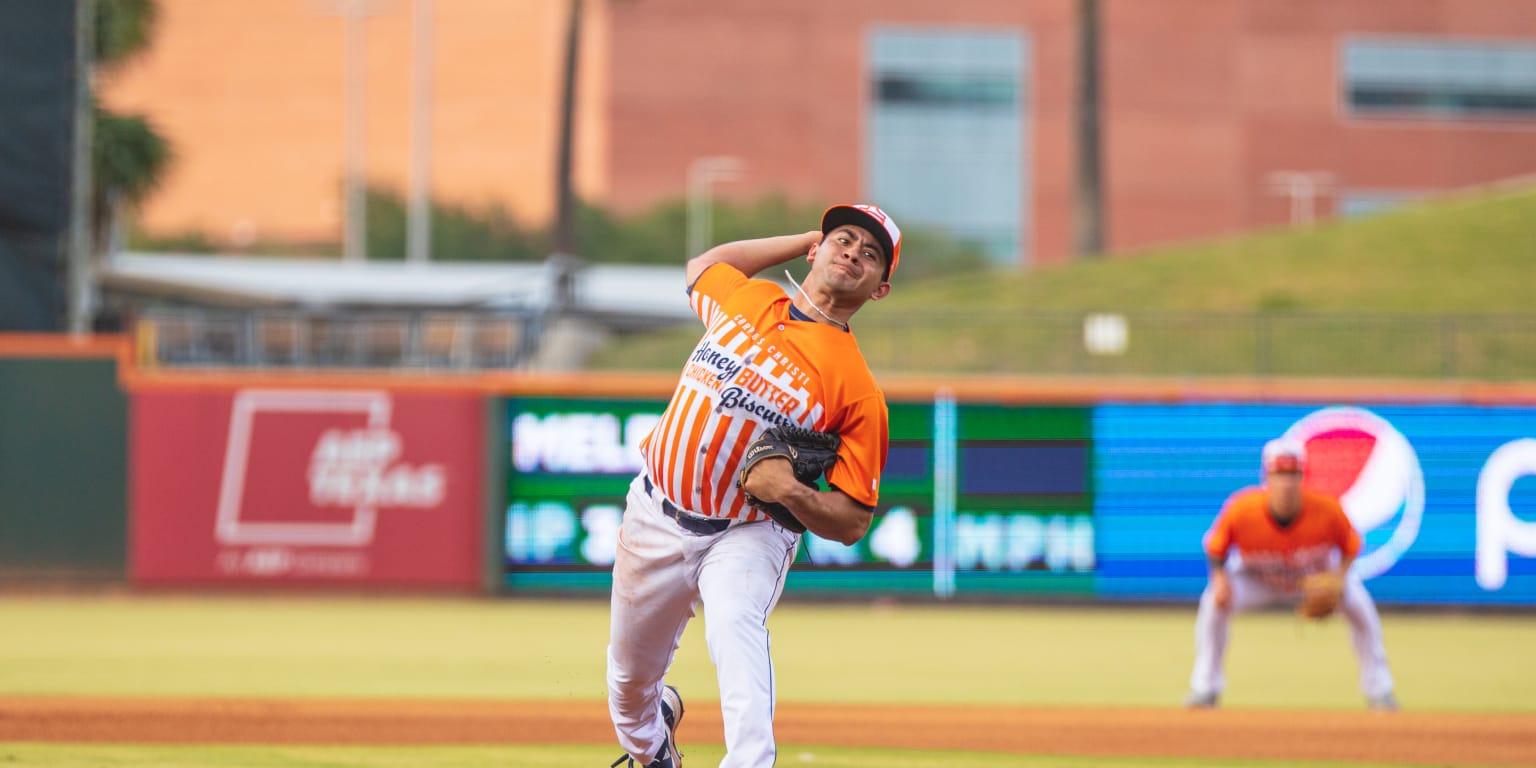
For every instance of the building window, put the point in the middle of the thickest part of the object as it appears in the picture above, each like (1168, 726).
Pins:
(940, 91)
(1440, 79)
(946, 140)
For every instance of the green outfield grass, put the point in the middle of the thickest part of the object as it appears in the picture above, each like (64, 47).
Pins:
(520, 649)
(485, 648)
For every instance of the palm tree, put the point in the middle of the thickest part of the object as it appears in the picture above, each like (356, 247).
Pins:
(128, 157)
(1089, 219)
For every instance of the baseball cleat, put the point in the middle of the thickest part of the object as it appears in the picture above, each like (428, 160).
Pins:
(671, 708)
(672, 715)
(1387, 702)
(1199, 700)
(666, 758)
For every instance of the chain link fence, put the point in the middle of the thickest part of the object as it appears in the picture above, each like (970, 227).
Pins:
(1166, 344)
(199, 338)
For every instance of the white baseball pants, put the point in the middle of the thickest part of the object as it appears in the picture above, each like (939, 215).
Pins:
(660, 569)
(1212, 626)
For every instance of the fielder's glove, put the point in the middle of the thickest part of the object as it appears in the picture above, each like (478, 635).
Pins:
(809, 452)
(1320, 595)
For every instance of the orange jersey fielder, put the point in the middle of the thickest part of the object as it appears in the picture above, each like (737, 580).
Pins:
(756, 367)
(1279, 556)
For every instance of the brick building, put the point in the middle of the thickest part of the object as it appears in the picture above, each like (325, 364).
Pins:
(1218, 116)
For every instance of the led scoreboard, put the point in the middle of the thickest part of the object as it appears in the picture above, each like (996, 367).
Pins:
(974, 499)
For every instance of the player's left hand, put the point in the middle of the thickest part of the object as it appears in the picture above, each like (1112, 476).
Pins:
(779, 460)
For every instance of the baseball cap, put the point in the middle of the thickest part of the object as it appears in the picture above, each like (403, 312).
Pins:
(870, 217)
(1285, 454)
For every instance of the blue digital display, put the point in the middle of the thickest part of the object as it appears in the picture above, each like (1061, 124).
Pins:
(1407, 475)
(1024, 469)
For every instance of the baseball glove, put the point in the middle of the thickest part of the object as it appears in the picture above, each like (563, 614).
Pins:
(810, 453)
(1320, 595)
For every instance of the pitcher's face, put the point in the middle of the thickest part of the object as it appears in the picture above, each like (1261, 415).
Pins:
(849, 260)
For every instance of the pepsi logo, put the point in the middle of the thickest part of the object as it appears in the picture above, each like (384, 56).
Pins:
(1371, 468)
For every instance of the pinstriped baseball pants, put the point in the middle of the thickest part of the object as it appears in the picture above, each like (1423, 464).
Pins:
(660, 571)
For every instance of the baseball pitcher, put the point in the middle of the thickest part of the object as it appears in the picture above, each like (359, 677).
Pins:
(1292, 546)
(775, 395)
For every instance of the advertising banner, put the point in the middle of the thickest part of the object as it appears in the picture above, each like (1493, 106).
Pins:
(1444, 496)
(317, 487)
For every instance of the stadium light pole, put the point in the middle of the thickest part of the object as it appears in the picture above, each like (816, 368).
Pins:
(703, 172)
(354, 244)
(1088, 224)
(419, 221)
(562, 262)
(564, 241)
(80, 268)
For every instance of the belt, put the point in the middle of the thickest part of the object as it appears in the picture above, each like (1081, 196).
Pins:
(703, 526)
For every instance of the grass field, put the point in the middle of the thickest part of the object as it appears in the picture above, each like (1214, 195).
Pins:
(179, 646)
(471, 648)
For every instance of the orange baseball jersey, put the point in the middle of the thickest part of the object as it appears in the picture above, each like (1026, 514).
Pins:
(1280, 556)
(756, 367)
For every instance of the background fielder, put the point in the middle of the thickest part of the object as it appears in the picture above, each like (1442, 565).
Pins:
(1281, 534)
(688, 534)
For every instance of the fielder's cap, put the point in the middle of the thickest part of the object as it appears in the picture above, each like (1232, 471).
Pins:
(879, 224)
(1285, 454)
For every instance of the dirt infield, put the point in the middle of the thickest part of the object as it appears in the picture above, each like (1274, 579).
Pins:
(1409, 738)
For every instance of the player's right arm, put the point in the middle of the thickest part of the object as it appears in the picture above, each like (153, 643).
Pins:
(1221, 584)
(1218, 545)
(753, 256)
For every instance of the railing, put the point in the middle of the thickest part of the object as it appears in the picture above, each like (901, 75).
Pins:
(1179, 344)
(201, 338)
(1275, 344)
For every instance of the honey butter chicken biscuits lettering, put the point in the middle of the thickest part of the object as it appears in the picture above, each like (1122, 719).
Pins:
(757, 367)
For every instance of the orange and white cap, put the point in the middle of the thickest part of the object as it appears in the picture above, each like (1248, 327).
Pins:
(1285, 454)
(878, 222)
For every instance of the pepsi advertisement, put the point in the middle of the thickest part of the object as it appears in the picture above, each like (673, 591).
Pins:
(1444, 496)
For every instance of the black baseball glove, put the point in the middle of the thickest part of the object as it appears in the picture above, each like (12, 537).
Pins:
(809, 452)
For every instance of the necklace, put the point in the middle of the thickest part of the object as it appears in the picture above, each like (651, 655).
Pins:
(808, 300)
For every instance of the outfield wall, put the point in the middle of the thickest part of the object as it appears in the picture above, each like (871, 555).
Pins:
(510, 483)
(295, 488)
(63, 459)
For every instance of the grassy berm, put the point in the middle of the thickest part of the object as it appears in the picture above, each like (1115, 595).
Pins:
(1439, 289)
